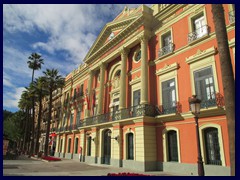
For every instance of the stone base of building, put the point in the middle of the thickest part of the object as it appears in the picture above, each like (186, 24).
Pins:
(62, 155)
(116, 162)
(56, 154)
(90, 160)
(140, 166)
(75, 156)
(192, 169)
(68, 155)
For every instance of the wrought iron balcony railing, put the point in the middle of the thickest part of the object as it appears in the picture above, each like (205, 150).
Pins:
(134, 111)
(166, 50)
(175, 107)
(231, 17)
(198, 33)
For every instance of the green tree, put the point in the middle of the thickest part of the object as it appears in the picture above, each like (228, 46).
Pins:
(227, 77)
(53, 81)
(39, 89)
(25, 105)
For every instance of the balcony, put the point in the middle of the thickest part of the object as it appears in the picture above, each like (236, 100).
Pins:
(198, 34)
(134, 111)
(170, 108)
(231, 17)
(166, 50)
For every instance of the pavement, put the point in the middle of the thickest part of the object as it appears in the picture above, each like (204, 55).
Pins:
(25, 166)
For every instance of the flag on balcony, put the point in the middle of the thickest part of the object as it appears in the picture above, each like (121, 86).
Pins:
(88, 103)
(93, 101)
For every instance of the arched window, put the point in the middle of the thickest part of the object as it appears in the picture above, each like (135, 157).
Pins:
(69, 145)
(89, 146)
(130, 146)
(76, 146)
(172, 145)
(118, 74)
(212, 147)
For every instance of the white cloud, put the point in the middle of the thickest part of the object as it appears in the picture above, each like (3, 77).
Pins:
(15, 95)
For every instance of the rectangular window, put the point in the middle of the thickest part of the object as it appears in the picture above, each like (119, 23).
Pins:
(71, 119)
(199, 26)
(204, 87)
(69, 145)
(136, 101)
(78, 115)
(169, 96)
(167, 45)
(115, 108)
(75, 94)
(81, 90)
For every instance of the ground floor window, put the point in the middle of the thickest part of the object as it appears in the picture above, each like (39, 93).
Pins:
(76, 146)
(130, 146)
(172, 146)
(69, 145)
(212, 147)
(89, 146)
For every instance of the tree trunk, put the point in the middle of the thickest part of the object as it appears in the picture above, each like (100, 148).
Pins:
(48, 124)
(227, 77)
(38, 123)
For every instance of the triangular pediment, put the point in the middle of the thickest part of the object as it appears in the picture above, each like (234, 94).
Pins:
(124, 19)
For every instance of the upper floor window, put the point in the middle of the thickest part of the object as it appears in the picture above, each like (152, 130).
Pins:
(71, 119)
(204, 86)
(199, 27)
(81, 90)
(169, 96)
(231, 14)
(75, 93)
(136, 101)
(166, 44)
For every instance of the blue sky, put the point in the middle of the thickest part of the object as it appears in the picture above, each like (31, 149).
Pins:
(62, 34)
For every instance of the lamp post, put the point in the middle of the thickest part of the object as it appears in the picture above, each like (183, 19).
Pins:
(195, 109)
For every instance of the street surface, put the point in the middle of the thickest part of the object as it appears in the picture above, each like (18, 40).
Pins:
(24, 166)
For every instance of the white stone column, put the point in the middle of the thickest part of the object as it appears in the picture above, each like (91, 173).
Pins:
(144, 70)
(101, 90)
(116, 145)
(90, 80)
(123, 77)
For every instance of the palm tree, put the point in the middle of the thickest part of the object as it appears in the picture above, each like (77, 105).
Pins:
(40, 91)
(227, 77)
(53, 81)
(35, 63)
(25, 105)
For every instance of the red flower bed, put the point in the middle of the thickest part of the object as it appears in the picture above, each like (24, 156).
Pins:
(48, 158)
(126, 174)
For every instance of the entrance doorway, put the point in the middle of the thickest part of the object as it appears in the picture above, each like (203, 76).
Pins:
(106, 146)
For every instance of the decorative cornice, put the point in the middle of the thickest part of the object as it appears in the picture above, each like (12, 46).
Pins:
(135, 80)
(167, 68)
(231, 43)
(201, 54)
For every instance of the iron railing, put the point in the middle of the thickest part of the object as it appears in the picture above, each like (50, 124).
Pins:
(231, 17)
(134, 111)
(166, 50)
(175, 107)
(198, 33)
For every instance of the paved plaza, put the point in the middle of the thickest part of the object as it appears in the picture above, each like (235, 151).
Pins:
(24, 166)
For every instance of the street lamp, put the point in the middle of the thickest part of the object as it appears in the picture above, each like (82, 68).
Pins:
(195, 109)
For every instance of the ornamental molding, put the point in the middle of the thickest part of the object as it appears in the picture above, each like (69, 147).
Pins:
(201, 54)
(167, 68)
(231, 43)
(135, 80)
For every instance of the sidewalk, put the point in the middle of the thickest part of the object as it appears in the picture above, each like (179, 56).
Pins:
(25, 166)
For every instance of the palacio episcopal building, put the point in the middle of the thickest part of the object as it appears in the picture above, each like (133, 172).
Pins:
(127, 104)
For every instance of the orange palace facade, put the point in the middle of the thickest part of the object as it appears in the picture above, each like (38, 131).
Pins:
(127, 104)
